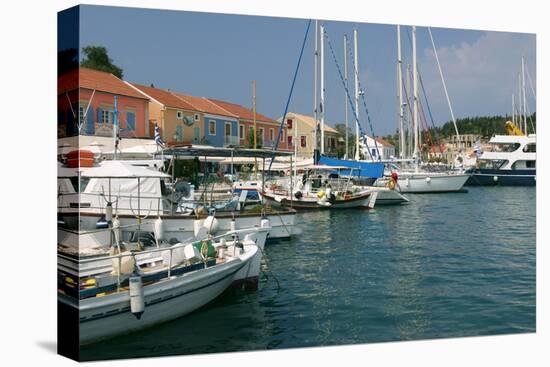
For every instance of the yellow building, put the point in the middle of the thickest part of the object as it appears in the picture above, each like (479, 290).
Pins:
(179, 122)
(301, 131)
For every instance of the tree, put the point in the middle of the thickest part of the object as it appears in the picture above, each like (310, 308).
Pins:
(97, 58)
(341, 150)
(250, 139)
(67, 60)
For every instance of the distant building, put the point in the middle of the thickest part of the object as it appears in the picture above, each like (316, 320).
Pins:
(220, 126)
(86, 98)
(179, 122)
(268, 129)
(301, 131)
(455, 146)
(381, 150)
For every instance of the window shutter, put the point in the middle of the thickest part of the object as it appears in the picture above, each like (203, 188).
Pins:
(90, 127)
(130, 121)
(99, 115)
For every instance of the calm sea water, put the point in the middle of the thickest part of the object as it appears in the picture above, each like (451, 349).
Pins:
(445, 265)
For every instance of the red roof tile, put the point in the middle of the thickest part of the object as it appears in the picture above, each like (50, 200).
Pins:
(204, 105)
(242, 112)
(384, 142)
(94, 79)
(165, 97)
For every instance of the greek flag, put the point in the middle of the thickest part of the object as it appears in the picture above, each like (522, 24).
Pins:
(158, 139)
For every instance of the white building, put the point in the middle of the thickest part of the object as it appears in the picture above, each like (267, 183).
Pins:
(381, 150)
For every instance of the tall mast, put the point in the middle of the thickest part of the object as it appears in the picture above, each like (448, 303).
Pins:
(346, 92)
(409, 122)
(520, 105)
(254, 110)
(513, 110)
(400, 94)
(415, 95)
(523, 93)
(315, 102)
(322, 104)
(355, 69)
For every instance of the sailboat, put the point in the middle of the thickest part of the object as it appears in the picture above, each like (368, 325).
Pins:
(418, 180)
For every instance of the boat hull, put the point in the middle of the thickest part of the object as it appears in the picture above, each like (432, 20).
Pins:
(432, 183)
(389, 197)
(105, 317)
(495, 177)
(360, 201)
(181, 227)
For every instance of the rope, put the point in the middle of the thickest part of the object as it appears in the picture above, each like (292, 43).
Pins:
(347, 93)
(429, 112)
(290, 94)
(363, 98)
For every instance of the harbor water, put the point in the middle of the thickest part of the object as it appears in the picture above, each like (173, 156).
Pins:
(444, 265)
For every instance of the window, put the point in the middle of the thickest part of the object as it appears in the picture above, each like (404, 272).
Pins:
(131, 120)
(179, 115)
(271, 134)
(81, 112)
(104, 116)
(282, 137)
(289, 141)
(261, 134)
(530, 148)
(303, 141)
(289, 123)
(241, 132)
(196, 117)
(212, 127)
(227, 131)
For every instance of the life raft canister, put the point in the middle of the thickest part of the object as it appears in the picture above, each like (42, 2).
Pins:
(80, 158)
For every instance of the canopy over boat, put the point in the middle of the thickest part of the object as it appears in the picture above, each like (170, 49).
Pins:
(360, 169)
(112, 169)
(208, 151)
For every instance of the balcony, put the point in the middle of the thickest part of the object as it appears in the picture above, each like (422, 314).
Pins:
(231, 141)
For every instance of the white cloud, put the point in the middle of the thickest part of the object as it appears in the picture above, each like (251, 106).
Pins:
(480, 76)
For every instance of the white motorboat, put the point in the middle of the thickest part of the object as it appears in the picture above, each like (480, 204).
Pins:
(136, 294)
(128, 189)
(511, 162)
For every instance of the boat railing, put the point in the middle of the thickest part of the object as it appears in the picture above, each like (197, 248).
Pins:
(233, 234)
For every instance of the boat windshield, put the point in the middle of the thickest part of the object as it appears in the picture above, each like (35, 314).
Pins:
(527, 164)
(505, 147)
(492, 163)
(83, 183)
(530, 148)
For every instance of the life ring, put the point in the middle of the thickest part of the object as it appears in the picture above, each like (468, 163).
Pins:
(391, 184)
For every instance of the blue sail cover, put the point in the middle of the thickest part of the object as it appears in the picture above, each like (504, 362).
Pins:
(360, 169)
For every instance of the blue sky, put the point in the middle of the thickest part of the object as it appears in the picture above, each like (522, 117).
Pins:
(218, 56)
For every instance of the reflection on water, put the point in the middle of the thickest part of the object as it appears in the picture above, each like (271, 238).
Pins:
(445, 265)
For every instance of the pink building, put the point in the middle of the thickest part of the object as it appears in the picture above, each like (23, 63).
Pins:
(87, 98)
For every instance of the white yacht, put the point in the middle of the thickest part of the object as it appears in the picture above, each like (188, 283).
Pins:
(511, 162)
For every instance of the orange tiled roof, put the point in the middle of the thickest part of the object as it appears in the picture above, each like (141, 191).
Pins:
(94, 79)
(165, 97)
(204, 105)
(384, 142)
(241, 111)
(310, 121)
